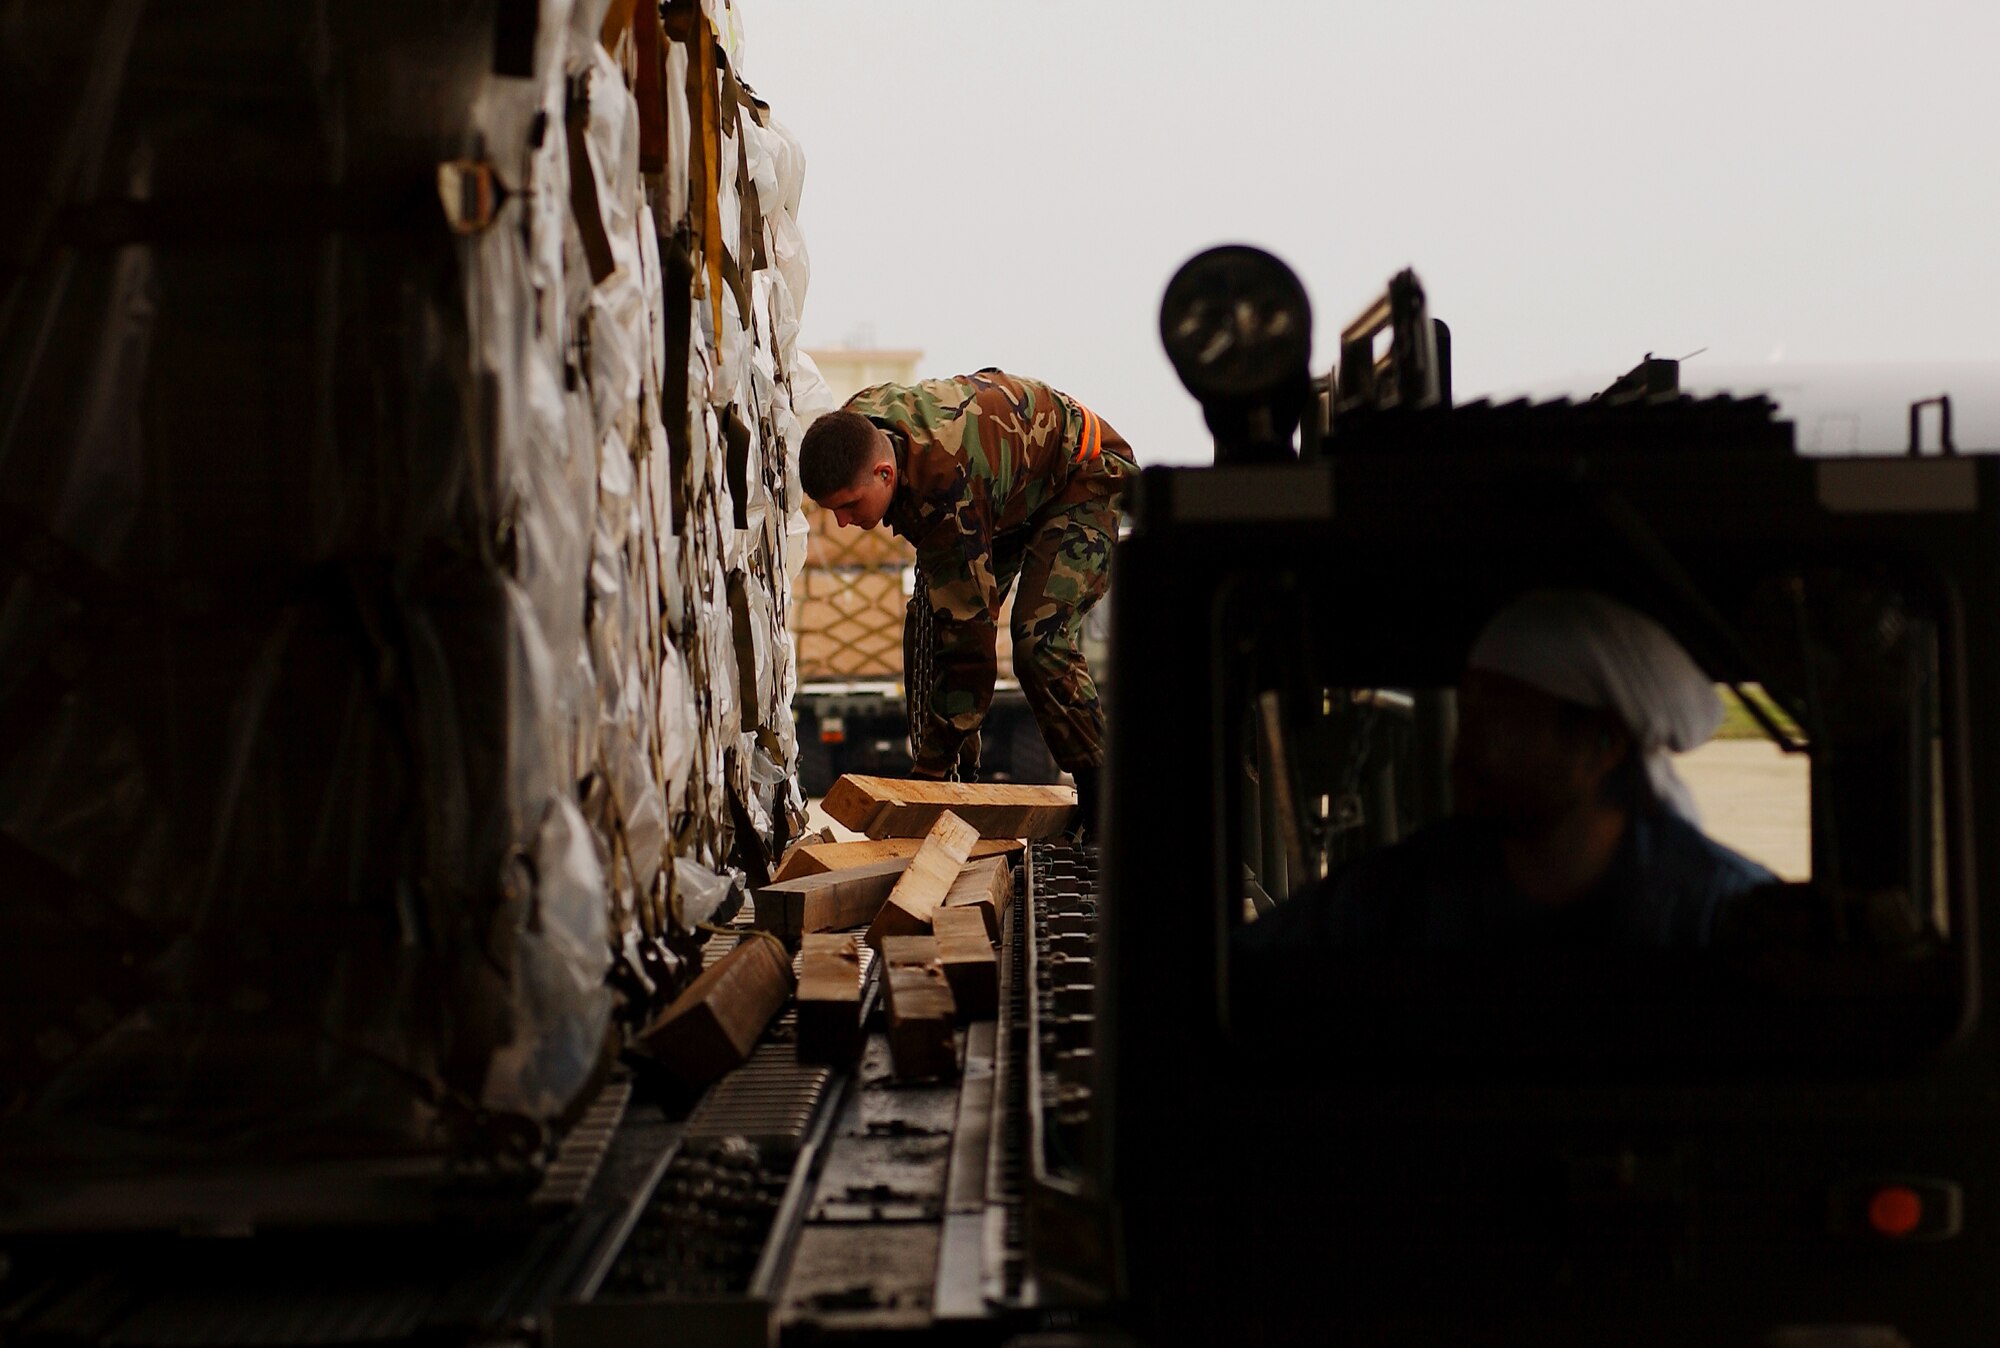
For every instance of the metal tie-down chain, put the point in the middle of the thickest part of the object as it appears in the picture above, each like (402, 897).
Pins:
(919, 673)
(920, 668)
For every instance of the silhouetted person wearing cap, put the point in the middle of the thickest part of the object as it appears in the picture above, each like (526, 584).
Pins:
(1570, 825)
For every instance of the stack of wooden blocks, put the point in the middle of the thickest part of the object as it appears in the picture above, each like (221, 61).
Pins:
(925, 891)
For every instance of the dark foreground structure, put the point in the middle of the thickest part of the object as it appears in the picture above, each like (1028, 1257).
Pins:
(1776, 1138)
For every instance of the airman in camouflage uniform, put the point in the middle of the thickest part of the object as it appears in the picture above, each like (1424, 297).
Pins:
(1002, 481)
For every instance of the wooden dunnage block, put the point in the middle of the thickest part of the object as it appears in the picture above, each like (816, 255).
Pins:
(985, 887)
(828, 901)
(812, 858)
(830, 998)
(711, 1028)
(893, 807)
(968, 961)
(924, 885)
(921, 1009)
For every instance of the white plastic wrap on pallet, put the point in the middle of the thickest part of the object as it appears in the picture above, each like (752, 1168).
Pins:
(677, 735)
(811, 398)
(559, 1031)
(679, 128)
(775, 154)
(495, 691)
(651, 281)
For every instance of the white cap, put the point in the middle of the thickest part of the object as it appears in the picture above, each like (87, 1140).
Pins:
(1582, 647)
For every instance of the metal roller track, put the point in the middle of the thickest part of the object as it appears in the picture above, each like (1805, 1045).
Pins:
(1063, 1225)
(703, 1251)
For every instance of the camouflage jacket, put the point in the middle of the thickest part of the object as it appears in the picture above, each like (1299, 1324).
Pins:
(982, 461)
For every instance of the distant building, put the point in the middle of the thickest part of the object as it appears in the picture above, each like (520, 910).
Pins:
(849, 369)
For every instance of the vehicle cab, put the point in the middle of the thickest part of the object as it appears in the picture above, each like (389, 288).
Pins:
(1783, 1135)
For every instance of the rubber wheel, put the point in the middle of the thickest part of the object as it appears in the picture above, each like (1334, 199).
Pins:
(1026, 755)
(815, 760)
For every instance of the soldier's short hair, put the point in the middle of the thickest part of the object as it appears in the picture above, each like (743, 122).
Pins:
(835, 453)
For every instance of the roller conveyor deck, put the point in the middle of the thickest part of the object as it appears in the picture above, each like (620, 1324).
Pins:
(790, 1201)
(907, 1207)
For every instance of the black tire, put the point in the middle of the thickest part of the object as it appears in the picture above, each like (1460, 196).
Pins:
(1016, 751)
(815, 759)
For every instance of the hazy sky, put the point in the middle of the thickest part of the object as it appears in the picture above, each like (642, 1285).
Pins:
(1577, 183)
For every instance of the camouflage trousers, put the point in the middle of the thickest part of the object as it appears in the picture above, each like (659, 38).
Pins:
(1059, 567)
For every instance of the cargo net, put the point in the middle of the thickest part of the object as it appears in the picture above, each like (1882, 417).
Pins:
(849, 611)
(920, 659)
(850, 602)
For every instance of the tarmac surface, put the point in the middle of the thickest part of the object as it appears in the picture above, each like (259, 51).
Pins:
(817, 818)
(1755, 798)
